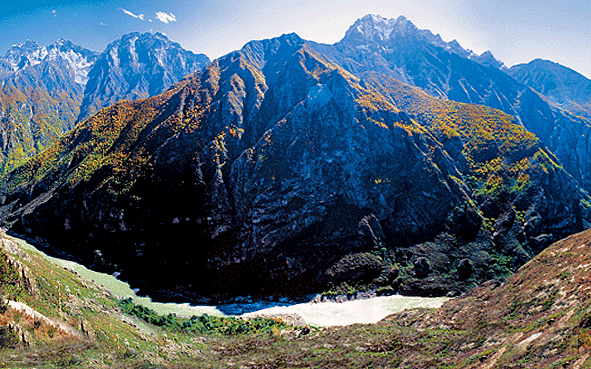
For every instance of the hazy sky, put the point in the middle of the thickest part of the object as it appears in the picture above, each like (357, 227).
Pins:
(516, 31)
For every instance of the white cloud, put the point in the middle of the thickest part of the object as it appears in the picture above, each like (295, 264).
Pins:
(54, 12)
(165, 17)
(138, 16)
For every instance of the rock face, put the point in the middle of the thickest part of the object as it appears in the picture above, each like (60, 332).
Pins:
(398, 49)
(274, 170)
(40, 93)
(137, 66)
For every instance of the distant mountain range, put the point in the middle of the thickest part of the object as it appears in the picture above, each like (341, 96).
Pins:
(20, 57)
(561, 85)
(137, 66)
(398, 49)
(46, 90)
(289, 167)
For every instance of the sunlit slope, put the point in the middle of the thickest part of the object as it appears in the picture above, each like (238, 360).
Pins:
(55, 318)
(35, 112)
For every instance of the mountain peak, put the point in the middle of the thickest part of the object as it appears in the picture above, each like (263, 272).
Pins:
(560, 84)
(259, 50)
(375, 28)
(487, 59)
(27, 45)
(30, 53)
(137, 65)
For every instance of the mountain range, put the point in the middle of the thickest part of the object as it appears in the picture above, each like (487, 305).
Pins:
(398, 49)
(46, 90)
(290, 167)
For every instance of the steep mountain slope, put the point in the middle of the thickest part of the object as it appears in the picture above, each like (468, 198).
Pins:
(274, 170)
(398, 49)
(40, 92)
(561, 85)
(137, 66)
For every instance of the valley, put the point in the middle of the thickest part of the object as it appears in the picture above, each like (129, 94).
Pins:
(318, 314)
(253, 195)
(537, 318)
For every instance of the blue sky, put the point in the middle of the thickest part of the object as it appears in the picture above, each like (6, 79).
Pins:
(515, 31)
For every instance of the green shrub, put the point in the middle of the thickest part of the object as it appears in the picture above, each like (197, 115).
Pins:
(203, 324)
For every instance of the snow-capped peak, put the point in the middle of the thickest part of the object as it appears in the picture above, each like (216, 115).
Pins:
(29, 54)
(377, 30)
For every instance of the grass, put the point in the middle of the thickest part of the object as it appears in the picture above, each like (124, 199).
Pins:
(466, 332)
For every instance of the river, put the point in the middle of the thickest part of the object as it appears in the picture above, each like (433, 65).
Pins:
(317, 314)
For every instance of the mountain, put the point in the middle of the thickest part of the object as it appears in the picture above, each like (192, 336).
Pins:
(396, 48)
(561, 85)
(46, 90)
(41, 89)
(137, 66)
(27, 54)
(273, 170)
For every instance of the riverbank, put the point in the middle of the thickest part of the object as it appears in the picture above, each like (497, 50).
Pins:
(317, 313)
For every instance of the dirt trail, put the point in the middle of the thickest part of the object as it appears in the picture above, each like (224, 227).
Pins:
(25, 309)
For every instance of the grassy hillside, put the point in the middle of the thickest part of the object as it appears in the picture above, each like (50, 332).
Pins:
(52, 317)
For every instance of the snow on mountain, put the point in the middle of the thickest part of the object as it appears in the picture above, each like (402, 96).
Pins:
(30, 53)
(374, 29)
(137, 66)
